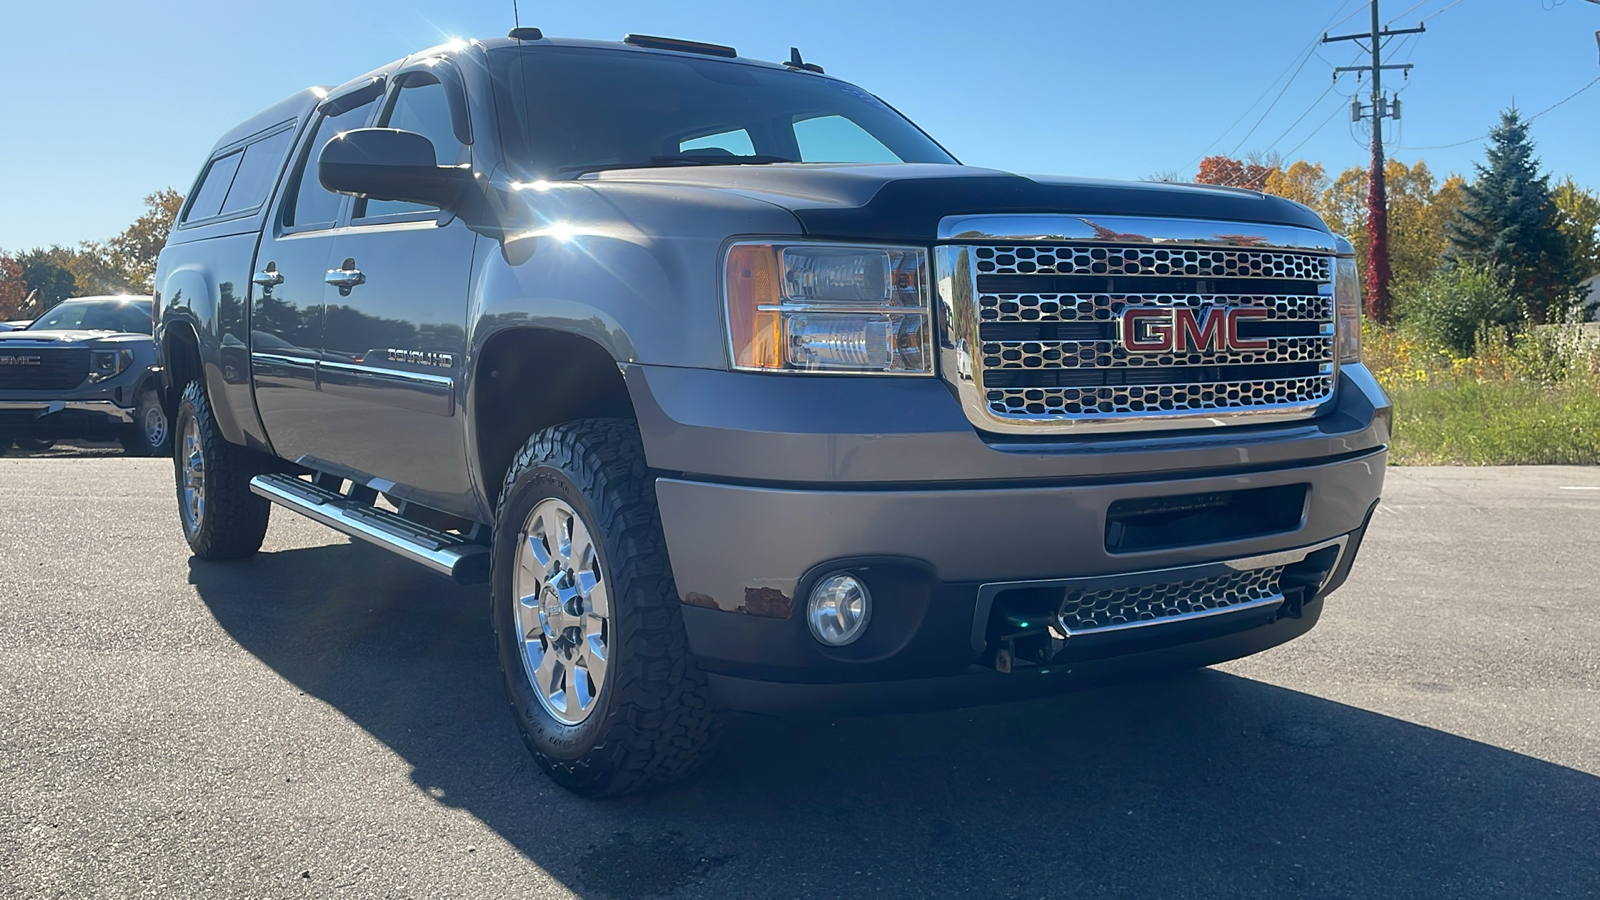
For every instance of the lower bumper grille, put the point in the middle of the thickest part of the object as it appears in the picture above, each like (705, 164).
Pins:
(1116, 608)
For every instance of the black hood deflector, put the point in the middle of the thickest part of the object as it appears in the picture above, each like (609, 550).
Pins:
(910, 209)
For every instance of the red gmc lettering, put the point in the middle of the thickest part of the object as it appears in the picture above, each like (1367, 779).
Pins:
(1160, 329)
(1155, 338)
(1238, 343)
(1196, 329)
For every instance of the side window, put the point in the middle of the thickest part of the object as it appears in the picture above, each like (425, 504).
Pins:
(837, 139)
(422, 107)
(263, 160)
(310, 204)
(736, 142)
(213, 187)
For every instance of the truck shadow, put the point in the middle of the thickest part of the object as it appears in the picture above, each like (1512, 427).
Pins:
(1208, 784)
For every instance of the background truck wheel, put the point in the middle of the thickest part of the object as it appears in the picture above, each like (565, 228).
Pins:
(35, 445)
(586, 616)
(221, 518)
(151, 432)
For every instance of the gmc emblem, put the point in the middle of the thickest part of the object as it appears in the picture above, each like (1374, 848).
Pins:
(21, 361)
(1181, 329)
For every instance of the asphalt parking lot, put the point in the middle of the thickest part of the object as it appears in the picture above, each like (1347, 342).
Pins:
(324, 719)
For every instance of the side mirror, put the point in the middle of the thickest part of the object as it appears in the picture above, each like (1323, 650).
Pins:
(389, 164)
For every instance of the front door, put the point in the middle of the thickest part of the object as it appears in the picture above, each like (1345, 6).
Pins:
(286, 322)
(394, 330)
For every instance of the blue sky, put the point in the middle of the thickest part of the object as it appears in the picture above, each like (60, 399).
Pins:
(108, 101)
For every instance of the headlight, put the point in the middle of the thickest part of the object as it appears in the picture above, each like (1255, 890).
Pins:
(829, 308)
(1347, 306)
(104, 364)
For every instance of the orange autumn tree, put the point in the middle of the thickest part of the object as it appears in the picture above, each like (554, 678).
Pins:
(13, 292)
(1229, 172)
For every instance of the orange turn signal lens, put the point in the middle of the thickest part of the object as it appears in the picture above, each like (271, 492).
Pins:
(752, 282)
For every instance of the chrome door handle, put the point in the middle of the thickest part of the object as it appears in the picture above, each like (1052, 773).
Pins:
(268, 278)
(345, 278)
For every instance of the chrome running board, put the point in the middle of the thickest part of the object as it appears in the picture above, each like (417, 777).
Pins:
(460, 558)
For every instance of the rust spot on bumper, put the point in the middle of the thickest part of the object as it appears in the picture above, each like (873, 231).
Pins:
(769, 603)
(702, 601)
(766, 603)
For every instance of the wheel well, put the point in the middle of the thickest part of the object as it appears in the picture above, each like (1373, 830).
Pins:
(530, 379)
(182, 358)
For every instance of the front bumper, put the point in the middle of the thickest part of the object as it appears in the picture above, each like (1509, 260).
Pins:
(744, 559)
(91, 419)
(776, 482)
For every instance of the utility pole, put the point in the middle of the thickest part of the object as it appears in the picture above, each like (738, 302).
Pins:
(1379, 303)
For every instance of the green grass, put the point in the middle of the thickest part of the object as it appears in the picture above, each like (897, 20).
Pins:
(1496, 423)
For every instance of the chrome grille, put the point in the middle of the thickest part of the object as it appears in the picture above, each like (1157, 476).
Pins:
(1088, 611)
(1136, 399)
(1034, 334)
(1045, 260)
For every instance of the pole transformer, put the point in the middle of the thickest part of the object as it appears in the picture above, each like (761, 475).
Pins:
(1380, 305)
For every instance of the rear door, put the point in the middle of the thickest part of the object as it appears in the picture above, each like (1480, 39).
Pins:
(394, 339)
(289, 282)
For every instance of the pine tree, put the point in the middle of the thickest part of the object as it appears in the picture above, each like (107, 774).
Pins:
(1509, 225)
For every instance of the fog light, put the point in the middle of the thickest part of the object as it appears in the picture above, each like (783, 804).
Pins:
(839, 609)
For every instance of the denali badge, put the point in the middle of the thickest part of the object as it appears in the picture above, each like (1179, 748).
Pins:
(421, 357)
(21, 361)
(1181, 329)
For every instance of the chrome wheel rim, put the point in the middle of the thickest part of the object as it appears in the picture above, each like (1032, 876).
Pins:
(155, 425)
(563, 611)
(193, 476)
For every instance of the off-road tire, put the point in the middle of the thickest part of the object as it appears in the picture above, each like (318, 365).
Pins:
(653, 721)
(135, 438)
(234, 521)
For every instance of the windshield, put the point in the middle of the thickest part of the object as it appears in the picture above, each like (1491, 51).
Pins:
(564, 111)
(96, 315)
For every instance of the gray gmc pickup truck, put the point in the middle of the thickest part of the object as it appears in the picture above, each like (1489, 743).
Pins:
(742, 393)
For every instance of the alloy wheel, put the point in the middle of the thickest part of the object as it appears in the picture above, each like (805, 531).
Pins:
(563, 611)
(193, 460)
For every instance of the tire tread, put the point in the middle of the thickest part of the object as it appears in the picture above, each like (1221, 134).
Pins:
(235, 521)
(662, 722)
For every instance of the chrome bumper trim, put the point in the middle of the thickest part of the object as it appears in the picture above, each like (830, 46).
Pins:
(43, 408)
(988, 592)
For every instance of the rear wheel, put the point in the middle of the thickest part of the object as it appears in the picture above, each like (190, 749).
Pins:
(151, 432)
(35, 445)
(590, 636)
(221, 518)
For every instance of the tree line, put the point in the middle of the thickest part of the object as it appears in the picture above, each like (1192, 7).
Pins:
(32, 281)
(1535, 239)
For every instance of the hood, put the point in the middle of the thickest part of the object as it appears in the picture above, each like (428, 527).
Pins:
(904, 202)
(61, 338)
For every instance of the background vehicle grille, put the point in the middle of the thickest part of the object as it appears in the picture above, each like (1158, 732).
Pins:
(1043, 341)
(58, 369)
(1085, 611)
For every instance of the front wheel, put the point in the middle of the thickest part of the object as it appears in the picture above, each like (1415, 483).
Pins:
(151, 432)
(586, 616)
(221, 518)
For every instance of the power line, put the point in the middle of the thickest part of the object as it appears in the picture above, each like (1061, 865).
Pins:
(1552, 107)
(1441, 10)
(1336, 110)
(1273, 105)
(1312, 48)
(1314, 104)
(1408, 12)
